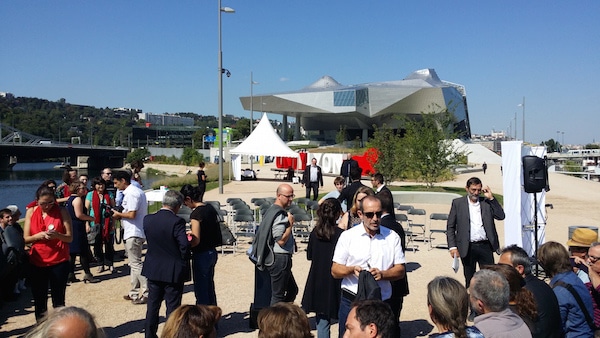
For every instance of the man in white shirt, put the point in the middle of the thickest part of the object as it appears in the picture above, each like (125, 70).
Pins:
(367, 247)
(135, 208)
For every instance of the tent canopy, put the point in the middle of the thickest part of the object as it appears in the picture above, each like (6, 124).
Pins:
(264, 141)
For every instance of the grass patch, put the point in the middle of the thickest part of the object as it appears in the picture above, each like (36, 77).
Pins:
(212, 177)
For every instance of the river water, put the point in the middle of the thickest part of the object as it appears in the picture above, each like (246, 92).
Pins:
(19, 185)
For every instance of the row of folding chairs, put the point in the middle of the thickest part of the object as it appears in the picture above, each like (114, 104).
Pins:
(419, 227)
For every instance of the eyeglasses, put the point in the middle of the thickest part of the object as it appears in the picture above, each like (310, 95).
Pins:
(52, 186)
(107, 173)
(370, 214)
(43, 204)
(593, 259)
(289, 196)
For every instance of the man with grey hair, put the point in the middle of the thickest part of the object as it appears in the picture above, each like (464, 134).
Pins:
(548, 323)
(489, 294)
(166, 266)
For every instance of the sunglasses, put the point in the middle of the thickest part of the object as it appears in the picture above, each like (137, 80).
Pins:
(370, 214)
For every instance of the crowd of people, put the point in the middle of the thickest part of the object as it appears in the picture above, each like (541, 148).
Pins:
(357, 276)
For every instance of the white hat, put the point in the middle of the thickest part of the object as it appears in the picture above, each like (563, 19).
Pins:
(13, 208)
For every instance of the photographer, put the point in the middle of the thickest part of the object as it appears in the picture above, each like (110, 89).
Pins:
(102, 231)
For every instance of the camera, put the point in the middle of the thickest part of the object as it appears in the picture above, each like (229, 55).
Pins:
(109, 211)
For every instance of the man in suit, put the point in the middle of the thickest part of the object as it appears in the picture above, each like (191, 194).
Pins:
(346, 167)
(348, 192)
(166, 265)
(311, 178)
(471, 231)
(387, 203)
(399, 287)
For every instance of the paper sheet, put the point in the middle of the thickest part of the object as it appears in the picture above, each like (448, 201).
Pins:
(455, 263)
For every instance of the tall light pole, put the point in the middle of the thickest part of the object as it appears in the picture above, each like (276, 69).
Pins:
(563, 138)
(523, 106)
(252, 83)
(515, 126)
(226, 10)
(556, 142)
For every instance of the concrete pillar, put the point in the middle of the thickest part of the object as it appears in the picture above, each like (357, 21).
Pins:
(284, 128)
(82, 162)
(365, 137)
(7, 162)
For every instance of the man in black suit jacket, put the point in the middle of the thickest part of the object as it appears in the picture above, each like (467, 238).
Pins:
(311, 178)
(475, 239)
(348, 192)
(381, 190)
(346, 167)
(400, 286)
(166, 265)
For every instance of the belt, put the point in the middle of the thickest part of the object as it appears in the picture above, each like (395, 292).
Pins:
(349, 295)
(485, 241)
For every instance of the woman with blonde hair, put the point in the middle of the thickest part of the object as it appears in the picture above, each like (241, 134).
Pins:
(283, 320)
(351, 217)
(192, 321)
(448, 304)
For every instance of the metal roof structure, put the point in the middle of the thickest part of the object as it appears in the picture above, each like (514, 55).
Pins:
(326, 105)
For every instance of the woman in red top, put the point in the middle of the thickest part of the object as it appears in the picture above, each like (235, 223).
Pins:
(48, 228)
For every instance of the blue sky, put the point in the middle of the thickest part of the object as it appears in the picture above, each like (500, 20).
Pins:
(161, 56)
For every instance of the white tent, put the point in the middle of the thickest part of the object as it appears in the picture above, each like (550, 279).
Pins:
(263, 141)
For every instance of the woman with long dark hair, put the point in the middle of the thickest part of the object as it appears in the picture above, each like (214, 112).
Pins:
(322, 291)
(206, 236)
(351, 217)
(48, 230)
(79, 246)
(98, 202)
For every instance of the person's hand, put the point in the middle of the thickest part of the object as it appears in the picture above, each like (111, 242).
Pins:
(454, 252)
(376, 273)
(487, 192)
(579, 260)
(291, 218)
(357, 270)
(88, 228)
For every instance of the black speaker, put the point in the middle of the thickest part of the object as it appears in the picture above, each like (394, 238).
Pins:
(535, 174)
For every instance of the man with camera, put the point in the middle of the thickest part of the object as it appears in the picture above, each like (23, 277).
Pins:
(132, 219)
(471, 231)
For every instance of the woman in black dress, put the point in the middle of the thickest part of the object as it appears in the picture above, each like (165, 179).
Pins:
(79, 218)
(322, 291)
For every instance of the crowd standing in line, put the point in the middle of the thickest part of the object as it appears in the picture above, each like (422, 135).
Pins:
(507, 299)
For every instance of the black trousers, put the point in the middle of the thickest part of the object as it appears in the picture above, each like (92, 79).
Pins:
(56, 276)
(479, 253)
(314, 186)
(157, 291)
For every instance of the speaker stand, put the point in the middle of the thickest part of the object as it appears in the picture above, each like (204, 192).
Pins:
(535, 232)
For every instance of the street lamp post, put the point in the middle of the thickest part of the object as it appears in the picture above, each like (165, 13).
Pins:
(523, 106)
(226, 10)
(252, 83)
(556, 142)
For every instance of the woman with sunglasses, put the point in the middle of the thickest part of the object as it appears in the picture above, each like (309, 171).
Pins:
(48, 230)
(97, 202)
(75, 205)
(351, 217)
(47, 183)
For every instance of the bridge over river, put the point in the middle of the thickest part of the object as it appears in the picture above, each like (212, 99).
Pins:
(17, 146)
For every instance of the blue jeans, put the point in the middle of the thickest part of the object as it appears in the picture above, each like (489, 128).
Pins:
(203, 264)
(345, 307)
(323, 326)
(283, 284)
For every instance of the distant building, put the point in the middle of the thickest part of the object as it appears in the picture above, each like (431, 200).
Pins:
(325, 106)
(166, 119)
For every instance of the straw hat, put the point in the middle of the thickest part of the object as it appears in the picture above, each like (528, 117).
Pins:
(583, 237)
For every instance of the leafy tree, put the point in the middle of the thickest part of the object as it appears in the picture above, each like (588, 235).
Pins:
(341, 136)
(592, 146)
(389, 155)
(138, 154)
(190, 156)
(552, 145)
(424, 153)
